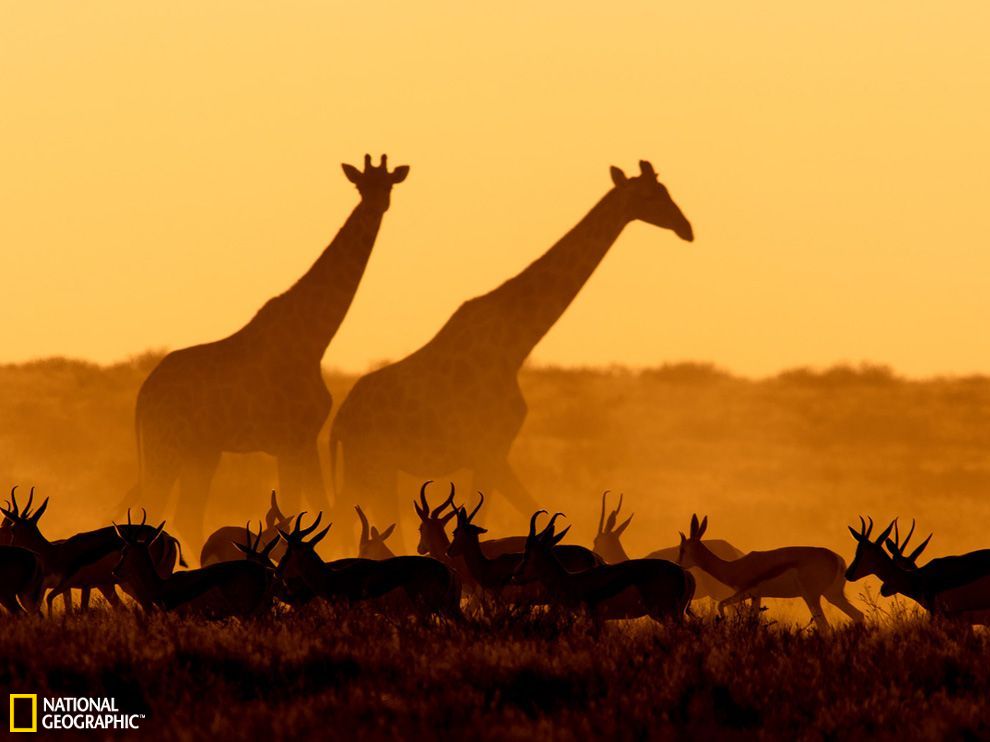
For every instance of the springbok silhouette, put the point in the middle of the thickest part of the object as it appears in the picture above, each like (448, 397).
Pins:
(806, 572)
(84, 561)
(638, 587)
(608, 546)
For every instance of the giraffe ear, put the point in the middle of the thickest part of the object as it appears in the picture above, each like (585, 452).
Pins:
(400, 173)
(352, 173)
(618, 177)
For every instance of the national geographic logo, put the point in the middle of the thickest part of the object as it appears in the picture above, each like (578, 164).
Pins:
(68, 713)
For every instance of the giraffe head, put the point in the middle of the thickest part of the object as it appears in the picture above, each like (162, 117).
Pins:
(375, 183)
(648, 200)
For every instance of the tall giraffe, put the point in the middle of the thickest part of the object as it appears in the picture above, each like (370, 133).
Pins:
(261, 388)
(455, 403)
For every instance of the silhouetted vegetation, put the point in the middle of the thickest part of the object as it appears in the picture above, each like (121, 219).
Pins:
(323, 672)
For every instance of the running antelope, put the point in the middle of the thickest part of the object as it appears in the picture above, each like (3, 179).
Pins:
(372, 544)
(84, 561)
(952, 586)
(608, 546)
(418, 585)
(239, 588)
(21, 579)
(807, 572)
(496, 573)
(630, 589)
(221, 546)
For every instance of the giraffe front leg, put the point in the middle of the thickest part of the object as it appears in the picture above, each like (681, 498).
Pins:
(504, 479)
(194, 490)
(300, 478)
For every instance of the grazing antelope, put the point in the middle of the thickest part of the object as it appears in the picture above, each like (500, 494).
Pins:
(495, 573)
(221, 546)
(428, 586)
(608, 546)
(21, 578)
(630, 589)
(945, 586)
(807, 572)
(239, 588)
(84, 561)
(433, 540)
(372, 544)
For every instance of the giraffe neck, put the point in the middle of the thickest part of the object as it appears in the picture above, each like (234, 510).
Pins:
(307, 316)
(515, 316)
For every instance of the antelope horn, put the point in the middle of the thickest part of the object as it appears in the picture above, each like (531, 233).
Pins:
(422, 495)
(601, 518)
(144, 516)
(532, 522)
(13, 498)
(128, 517)
(886, 532)
(364, 524)
(306, 531)
(295, 528)
(908, 537)
(449, 501)
(549, 529)
(27, 508)
(478, 507)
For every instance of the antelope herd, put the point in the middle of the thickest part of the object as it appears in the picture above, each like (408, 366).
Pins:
(244, 573)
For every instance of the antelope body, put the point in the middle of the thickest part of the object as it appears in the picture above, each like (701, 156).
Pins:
(222, 544)
(807, 572)
(86, 560)
(238, 588)
(953, 586)
(419, 585)
(608, 546)
(630, 589)
(21, 578)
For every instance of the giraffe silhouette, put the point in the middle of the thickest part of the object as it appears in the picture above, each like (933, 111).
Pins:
(455, 403)
(261, 388)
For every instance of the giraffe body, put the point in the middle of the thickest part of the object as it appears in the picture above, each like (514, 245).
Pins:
(456, 403)
(261, 388)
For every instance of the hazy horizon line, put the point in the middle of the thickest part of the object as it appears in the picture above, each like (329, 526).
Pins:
(861, 368)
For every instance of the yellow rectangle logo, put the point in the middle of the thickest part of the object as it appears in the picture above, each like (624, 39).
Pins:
(34, 713)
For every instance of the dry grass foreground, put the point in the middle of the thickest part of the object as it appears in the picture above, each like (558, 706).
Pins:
(326, 674)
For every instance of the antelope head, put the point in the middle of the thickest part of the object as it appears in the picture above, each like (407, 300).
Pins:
(538, 559)
(908, 563)
(433, 523)
(466, 532)
(135, 562)
(870, 557)
(301, 564)
(250, 548)
(690, 544)
(372, 545)
(607, 541)
(20, 525)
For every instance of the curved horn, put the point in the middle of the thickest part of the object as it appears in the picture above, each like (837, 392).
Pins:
(449, 501)
(601, 518)
(144, 517)
(27, 508)
(364, 524)
(532, 522)
(886, 532)
(422, 496)
(478, 506)
(548, 531)
(128, 517)
(13, 498)
(306, 531)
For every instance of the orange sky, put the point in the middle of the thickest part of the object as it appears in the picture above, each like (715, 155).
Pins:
(167, 167)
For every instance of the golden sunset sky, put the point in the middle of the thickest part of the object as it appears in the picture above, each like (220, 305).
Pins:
(167, 167)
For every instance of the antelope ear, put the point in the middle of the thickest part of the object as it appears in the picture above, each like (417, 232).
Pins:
(624, 525)
(283, 534)
(374, 533)
(269, 546)
(480, 529)
(694, 525)
(319, 537)
(40, 511)
(704, 527)
(400, 173)
(241, 547)
(560, 536)
(351, 172)
(618, 177)
(854, 533)
(683, 537)
(388, 532)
